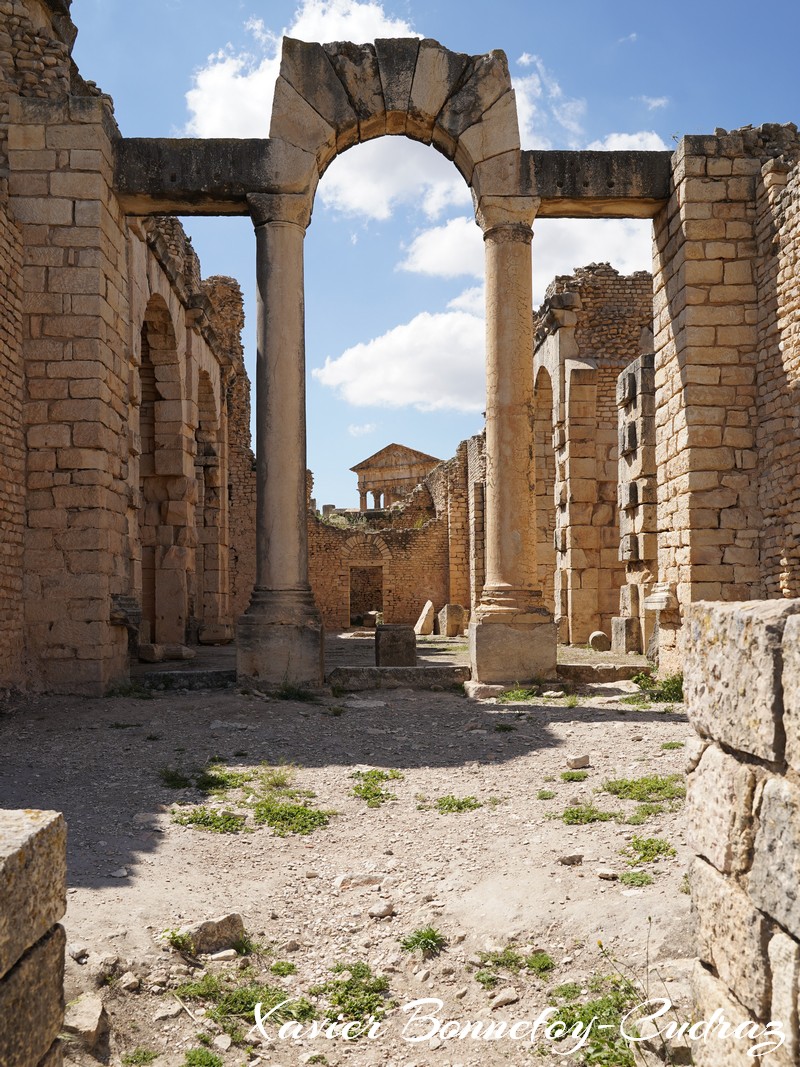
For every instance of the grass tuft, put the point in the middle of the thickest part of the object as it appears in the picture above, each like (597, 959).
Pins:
(216, 822)
(428, 940)
(139, 1057)
(574, 776)
(581, 814)
(369, 788)
(284, 817)
(647, 850)
(450, 805)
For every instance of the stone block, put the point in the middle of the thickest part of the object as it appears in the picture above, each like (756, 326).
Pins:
(356, 66)
(452, 620)
(790, 679)
(784, 962)
(272, 653)
(295, 120)
(775, 875)
(86, 1020)
(719, 804)
(308, 69)
(626, 635)
(213, 935)
(710, 1049)
(395, 646)
(32, 995)
(485, 80)
(504, 653)
(731, 936)
(436, 74)
(397, 60)
(424, 624)
(733, 673)
(33, 879)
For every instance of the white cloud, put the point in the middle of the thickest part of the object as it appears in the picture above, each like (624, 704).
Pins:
(525, 59)
(447, 251)
(362, 429)
(435, 362)
(630, 39)
(653, 103)
(545, 113)
(232, 94)
(561, 245)
(644, 140)
(372, 179)
(472, 300)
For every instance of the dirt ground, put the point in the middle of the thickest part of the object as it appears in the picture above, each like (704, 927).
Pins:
(484, 878)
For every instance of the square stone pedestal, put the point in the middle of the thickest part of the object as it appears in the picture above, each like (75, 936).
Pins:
(502, 653)
(395, 646)
(275, 653)
(626, 635)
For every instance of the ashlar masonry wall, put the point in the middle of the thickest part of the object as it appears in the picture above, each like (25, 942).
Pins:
(12, 451)
(743, 805)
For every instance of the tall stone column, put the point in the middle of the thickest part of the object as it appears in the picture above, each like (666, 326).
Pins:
(512, 637)
(280, 638)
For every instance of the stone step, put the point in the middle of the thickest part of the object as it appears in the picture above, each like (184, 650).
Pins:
(585, 673)
(353, 679)
(186, 679)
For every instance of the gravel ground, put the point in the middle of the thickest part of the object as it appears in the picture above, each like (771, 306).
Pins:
(506, 873)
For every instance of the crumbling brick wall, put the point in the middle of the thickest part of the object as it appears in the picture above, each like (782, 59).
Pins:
(743, 805)
(12, 451)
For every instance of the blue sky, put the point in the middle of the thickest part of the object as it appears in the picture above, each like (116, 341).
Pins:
(394, 330)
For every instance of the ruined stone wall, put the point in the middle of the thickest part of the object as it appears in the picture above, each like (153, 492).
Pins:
(12, 451)
(476, 520)
(638, 549)
(33, 897)
(414, 563)
(743, 809)
(706, 363)
(448, 488)
(590, 326)
(778, 244)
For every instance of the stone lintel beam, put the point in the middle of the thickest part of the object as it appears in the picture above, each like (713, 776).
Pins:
(206, 176)
(597, 184)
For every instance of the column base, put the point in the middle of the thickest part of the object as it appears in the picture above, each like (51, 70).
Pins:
(506, 653)
(279, 639)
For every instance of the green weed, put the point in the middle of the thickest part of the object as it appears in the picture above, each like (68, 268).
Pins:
(202, 1057)
(216, 822)
(574, 776)
(504, 728)
(545, 794)
(355, 994)
(487, 979)
(519, 694)
(288, 691)
(581, 814)
(282, 968)
(217, 779)
(139, 1056)
(647, 850)
(240, 1003)
(369, 788)
(670, 745)
(450, 805)
(652, 787)
(509, 959)
(428, 940)
(285, 817)
(600, 1019)
(180, 942)
(174, 779)
(539, 962)
(566, 991)
(643, 813)
(636, 878)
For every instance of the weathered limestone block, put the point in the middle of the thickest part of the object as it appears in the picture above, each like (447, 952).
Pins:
(485, 80)
(507, 654)
(452, 620)
(784, 962)
(32, 1002)
(308, 69)
(731, 936)
(86, 1019)
(710, 1050)
(733, 673)
(791, 690)
(213, 935)
(774, 882)
(397, 60)
(625, 635)
(424, 624)
(295, 120)
(436, 75)
(33, 879)
(719, 803)
(395, 646)
(356, 66)
(495, 134)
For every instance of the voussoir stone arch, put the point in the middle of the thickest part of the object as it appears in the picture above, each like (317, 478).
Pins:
(329, 97)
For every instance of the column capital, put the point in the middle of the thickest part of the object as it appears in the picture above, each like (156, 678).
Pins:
(514, 214)
(293, 208)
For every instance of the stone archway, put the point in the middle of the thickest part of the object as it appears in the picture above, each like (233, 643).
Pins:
(328, 98)
(166, 492)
